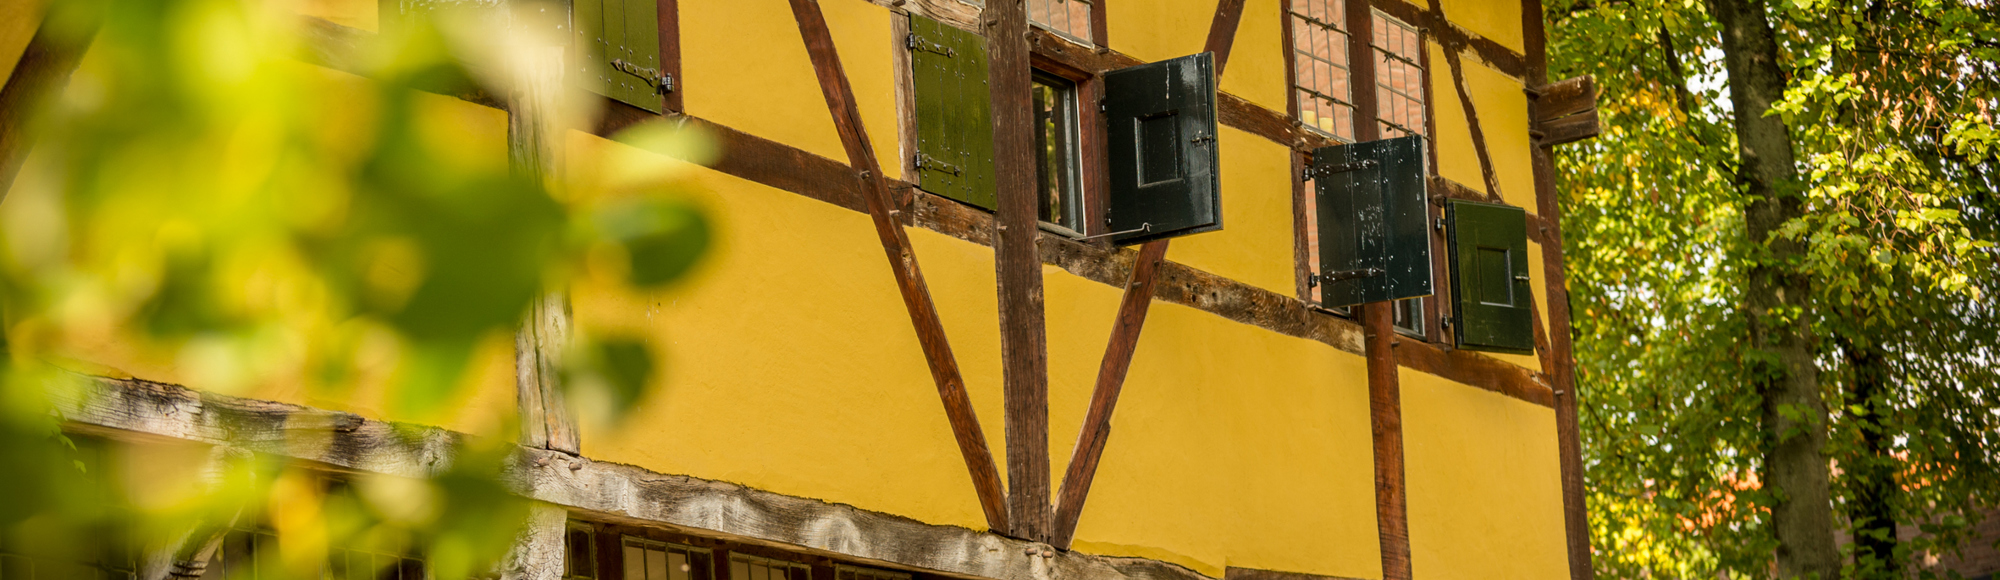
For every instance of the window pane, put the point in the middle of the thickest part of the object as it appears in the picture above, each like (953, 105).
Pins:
(635, 562)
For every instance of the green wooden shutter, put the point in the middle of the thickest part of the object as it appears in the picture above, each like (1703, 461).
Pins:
(954, 112)
(618, 45)
(1489, 272)
(1374, 243)
(1163, 157)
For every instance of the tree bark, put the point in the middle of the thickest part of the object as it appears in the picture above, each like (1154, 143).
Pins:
(1873, 473)
(1777, 297)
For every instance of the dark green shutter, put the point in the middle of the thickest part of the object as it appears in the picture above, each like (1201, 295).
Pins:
(1489, 272)
(1161, 133)
(618, 42)
(1374, 243)
(954, 112)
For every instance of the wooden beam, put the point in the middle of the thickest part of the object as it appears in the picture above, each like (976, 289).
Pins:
(1576, 522)
(670, 52)
(1235, 573)
(1385, 426)
(1024, 356)
(535, 137)
(44, 69)
(1222, 33)
(1455, 38)
(902, 261)
(1110, 381)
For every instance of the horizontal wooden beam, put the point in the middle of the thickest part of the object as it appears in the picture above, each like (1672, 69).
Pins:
(788, 168)
(1235, 573)
(140, 410)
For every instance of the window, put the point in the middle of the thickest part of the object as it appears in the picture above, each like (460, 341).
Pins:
(1069, 18)
(579, 551)
(645, 559)
(249, 551)
(1399, 112)
(1060, 185)
(845, 572)
(1320, 71)
(743, 567)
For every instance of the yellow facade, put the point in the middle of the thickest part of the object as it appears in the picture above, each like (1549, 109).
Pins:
(791, 365)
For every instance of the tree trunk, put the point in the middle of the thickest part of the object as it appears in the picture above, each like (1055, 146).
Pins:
(1781, 348)
(1873, 473)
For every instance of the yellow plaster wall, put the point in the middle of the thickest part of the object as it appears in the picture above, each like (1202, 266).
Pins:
(1255, 243)
(1499, 20)
(747, 68)
(1258, 441)
(1485, 497)
(1503, 120)
(1157, 30)
(1256, 68)
(362, 14)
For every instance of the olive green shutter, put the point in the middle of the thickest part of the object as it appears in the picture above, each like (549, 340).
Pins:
(954, 112)
(1374, 236)
(618, 42)
(1161, 134)
(1489, 273)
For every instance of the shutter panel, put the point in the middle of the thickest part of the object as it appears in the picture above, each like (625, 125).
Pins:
(1490, 282)
(618, 45)
(954, 112)
(1163, 156)
(1374, 243)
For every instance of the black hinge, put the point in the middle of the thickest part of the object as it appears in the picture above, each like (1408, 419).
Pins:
(917, 43)
(927, 162)
(1342, 168)
(662, 83)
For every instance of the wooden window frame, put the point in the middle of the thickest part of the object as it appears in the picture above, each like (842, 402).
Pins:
(1092, 180)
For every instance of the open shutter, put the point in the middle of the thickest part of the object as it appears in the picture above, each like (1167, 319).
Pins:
(1489, 272)
(954, 112)
(1374, 245)
(1161, 120)
(618, 45)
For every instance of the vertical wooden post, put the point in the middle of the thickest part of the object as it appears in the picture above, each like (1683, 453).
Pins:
(540, 546)
(44, 69)
(1023, 337)
(535, 151)
(1562, 373)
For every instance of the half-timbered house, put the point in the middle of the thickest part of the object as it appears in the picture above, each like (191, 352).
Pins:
(1301, 257)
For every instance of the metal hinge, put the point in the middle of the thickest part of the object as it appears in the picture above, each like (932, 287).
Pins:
(927, 162)
(662, 83)
(1199, 139)
(1344, 275)
(916, 43)
(1342, 168)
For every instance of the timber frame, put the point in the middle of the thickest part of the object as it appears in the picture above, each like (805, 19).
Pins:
(1032, 534)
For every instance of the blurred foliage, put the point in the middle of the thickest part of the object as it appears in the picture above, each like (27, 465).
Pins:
(1891, 107)
(203, 196)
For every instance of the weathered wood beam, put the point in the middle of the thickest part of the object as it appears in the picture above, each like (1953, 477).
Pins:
(1222, 32)
(44, 69)
(139, 410)
(670, 52)
(1385, 426)
(1024, 356)
(1576, 522)
(1235, 573)
(902, 261)
(535, 138)
(1450, 34)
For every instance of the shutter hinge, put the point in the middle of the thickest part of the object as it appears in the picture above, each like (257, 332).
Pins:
(1344, 275)
(1444, 321)
(1342, 168)
(1440, 224)
(927, 162)
(1199, 139)
(662, 83)
(919, 44)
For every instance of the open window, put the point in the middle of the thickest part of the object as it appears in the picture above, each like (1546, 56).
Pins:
(1153, 128)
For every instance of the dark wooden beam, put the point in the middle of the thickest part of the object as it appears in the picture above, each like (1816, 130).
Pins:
(670, 52)
(902, 261)
(1110, 381)
(44, 69)
(1385, 426)
(1235, 573)
(1222, 32)
(1449, 35)
(1024, 349)
(1562, 375)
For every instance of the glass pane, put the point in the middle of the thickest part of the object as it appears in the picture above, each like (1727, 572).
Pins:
(635, 562)
(677, 566)
(656, 564)
(738, 570)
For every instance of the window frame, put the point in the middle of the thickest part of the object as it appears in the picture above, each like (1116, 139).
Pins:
(1077, 192)
(1092, 181)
